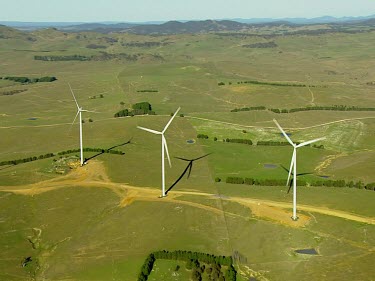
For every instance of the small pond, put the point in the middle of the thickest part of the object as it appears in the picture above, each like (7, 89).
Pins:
(190, 141)
(32, 118)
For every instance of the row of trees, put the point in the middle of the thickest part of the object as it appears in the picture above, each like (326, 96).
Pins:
(147, 267)
(281, 182)
(62, 58)
(145, 44)
(264, 143)
(270, 44)
(26, 80)
(331, 108)
(89, 149)
(49, 155)
(26, 160)
(193, 262)
(249, 108)
(12, 92)
(244, 141)
(147, 91)
(140, 108)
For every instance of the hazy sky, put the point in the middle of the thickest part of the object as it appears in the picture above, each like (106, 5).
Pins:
(163, 10)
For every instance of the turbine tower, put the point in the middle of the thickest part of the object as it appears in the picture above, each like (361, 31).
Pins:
(163, 147)
(79, 112)
(293, 165)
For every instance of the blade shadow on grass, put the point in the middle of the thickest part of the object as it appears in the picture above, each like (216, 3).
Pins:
(188, 168)
(291, 179)
(102, 152)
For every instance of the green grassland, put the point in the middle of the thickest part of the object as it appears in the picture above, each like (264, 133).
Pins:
(86, 235)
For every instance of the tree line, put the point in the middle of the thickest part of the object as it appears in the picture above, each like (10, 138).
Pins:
(332, 108)
(27, 80)
(193, 262)
(270, 44)
(62, 58)
(51, 154)
(263, 143)
(281, 182)
(249, 108)
(147, 91)
(12, 92)
(140, 108)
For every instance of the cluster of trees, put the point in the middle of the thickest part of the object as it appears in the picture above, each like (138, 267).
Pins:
(12, 92)
(49, 155)
(26, 80)
(62, 58)
(281, 182)
(193, 262)
(147, 91)
(140, 108)
(202, 136)
(333, 108)
(244, 141)
(249, 108)
(270, 44)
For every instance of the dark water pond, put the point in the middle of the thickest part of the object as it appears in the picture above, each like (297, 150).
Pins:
(270, 166)
(324, 177)
(190, 141)
(310, 251)
(32, 118)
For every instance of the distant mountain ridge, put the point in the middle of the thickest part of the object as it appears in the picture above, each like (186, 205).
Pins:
(199, 26)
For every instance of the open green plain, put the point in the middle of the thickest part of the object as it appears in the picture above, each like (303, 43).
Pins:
(100, 221)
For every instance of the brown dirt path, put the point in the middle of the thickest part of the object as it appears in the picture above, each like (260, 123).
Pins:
(94, 175)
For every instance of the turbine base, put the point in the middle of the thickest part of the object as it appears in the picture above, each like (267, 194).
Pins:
(294, 219)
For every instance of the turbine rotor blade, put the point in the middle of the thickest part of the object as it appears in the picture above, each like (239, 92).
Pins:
(291, 166)
(285, 135)
(73, 121)
(149, 130)
(71, 90)
(166, 150)
(309, 142)
(170, 121)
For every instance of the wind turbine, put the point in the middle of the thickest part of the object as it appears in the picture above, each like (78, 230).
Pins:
(163, 147)
(293, 165)
(79, 112)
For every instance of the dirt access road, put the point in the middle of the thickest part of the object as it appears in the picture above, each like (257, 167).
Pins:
(93, 175)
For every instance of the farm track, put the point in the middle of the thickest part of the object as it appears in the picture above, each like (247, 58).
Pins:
(93, 175)
(204, 119)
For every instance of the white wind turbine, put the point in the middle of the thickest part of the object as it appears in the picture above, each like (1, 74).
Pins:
(163, 146)
(293, 165)
(79, 112)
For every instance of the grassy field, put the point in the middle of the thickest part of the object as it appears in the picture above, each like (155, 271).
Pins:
(103, 228)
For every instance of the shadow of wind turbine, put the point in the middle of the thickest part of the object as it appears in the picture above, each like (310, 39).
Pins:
(188, 167)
